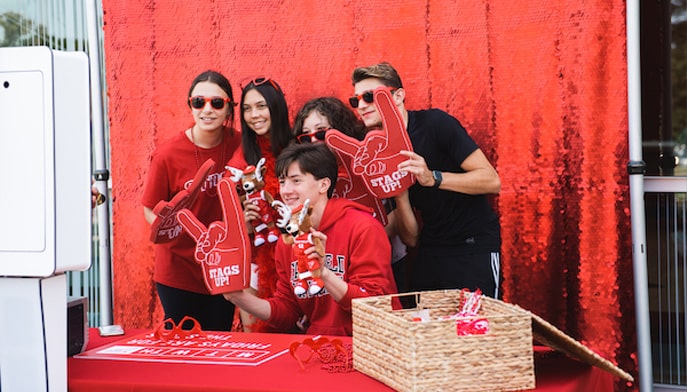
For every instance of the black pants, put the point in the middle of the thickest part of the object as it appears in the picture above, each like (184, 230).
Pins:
(213, 312)
(460, 267)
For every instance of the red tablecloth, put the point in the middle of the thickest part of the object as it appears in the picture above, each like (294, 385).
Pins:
(554, 372)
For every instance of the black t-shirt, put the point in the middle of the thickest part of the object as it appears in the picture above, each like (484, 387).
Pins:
(449, 218)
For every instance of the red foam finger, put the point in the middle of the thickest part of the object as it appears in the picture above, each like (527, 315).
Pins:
(223, 249)
(375, 159)
(191, 224)
(165, 227)
(348, 185)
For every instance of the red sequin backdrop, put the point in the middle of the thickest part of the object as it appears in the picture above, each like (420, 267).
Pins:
(541, 86)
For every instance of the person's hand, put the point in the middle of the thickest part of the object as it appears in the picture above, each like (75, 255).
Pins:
(223, 247)
(375, 159)
(97, 198)
(251, 211)
(319, 245)
(416, 165)
(403, 195)
(303, 323)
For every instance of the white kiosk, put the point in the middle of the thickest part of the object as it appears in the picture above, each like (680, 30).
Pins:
(45, 209)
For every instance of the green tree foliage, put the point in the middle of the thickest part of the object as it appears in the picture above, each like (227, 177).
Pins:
(19, 31)
(16, 30)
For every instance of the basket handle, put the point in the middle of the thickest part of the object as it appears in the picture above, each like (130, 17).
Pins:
(403, 301)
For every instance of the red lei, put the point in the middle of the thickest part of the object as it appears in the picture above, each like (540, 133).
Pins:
(263, 255)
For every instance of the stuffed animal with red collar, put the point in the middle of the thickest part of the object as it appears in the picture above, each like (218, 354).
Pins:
(297, 225)
(253, 183)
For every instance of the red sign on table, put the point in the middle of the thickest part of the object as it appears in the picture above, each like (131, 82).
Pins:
(213, 348)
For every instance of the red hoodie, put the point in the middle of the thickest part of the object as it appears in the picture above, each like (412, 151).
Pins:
(357, 250)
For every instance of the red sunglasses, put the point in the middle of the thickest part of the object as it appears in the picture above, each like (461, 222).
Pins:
(318, 135)
(259, 81)
(199, 102)
(367, 96)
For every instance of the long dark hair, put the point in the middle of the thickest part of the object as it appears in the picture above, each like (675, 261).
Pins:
(340, 117)
(280, 130)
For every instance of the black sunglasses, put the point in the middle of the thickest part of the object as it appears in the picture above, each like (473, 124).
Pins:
(199, 102)
(367, 96)
(308, 137)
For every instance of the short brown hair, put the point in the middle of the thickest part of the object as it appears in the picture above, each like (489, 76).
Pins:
(314, 158)
(382, 71)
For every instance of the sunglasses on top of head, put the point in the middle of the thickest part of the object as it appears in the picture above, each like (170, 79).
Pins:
(367, 96)
(199, 102)
(259, 81)
(318, 135)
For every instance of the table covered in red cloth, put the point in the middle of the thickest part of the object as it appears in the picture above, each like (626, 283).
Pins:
(554, 372)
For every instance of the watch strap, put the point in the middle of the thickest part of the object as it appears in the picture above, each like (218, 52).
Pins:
(437, 178)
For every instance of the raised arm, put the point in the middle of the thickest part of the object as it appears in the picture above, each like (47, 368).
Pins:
(479, 177)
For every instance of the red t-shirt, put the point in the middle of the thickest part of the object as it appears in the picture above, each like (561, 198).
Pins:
(173, 165)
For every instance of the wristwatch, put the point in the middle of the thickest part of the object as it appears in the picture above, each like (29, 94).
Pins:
(437, 178)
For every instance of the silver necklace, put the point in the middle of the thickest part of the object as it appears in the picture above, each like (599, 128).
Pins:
(199, 154)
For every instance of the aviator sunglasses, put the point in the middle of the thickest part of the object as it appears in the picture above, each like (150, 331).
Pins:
(367, 96)
(318, 135)
(199, 102)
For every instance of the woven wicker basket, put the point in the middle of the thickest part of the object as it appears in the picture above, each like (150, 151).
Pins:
(430, 356)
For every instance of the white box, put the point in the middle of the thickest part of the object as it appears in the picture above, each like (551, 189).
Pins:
(45, 162)
(33, 334)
